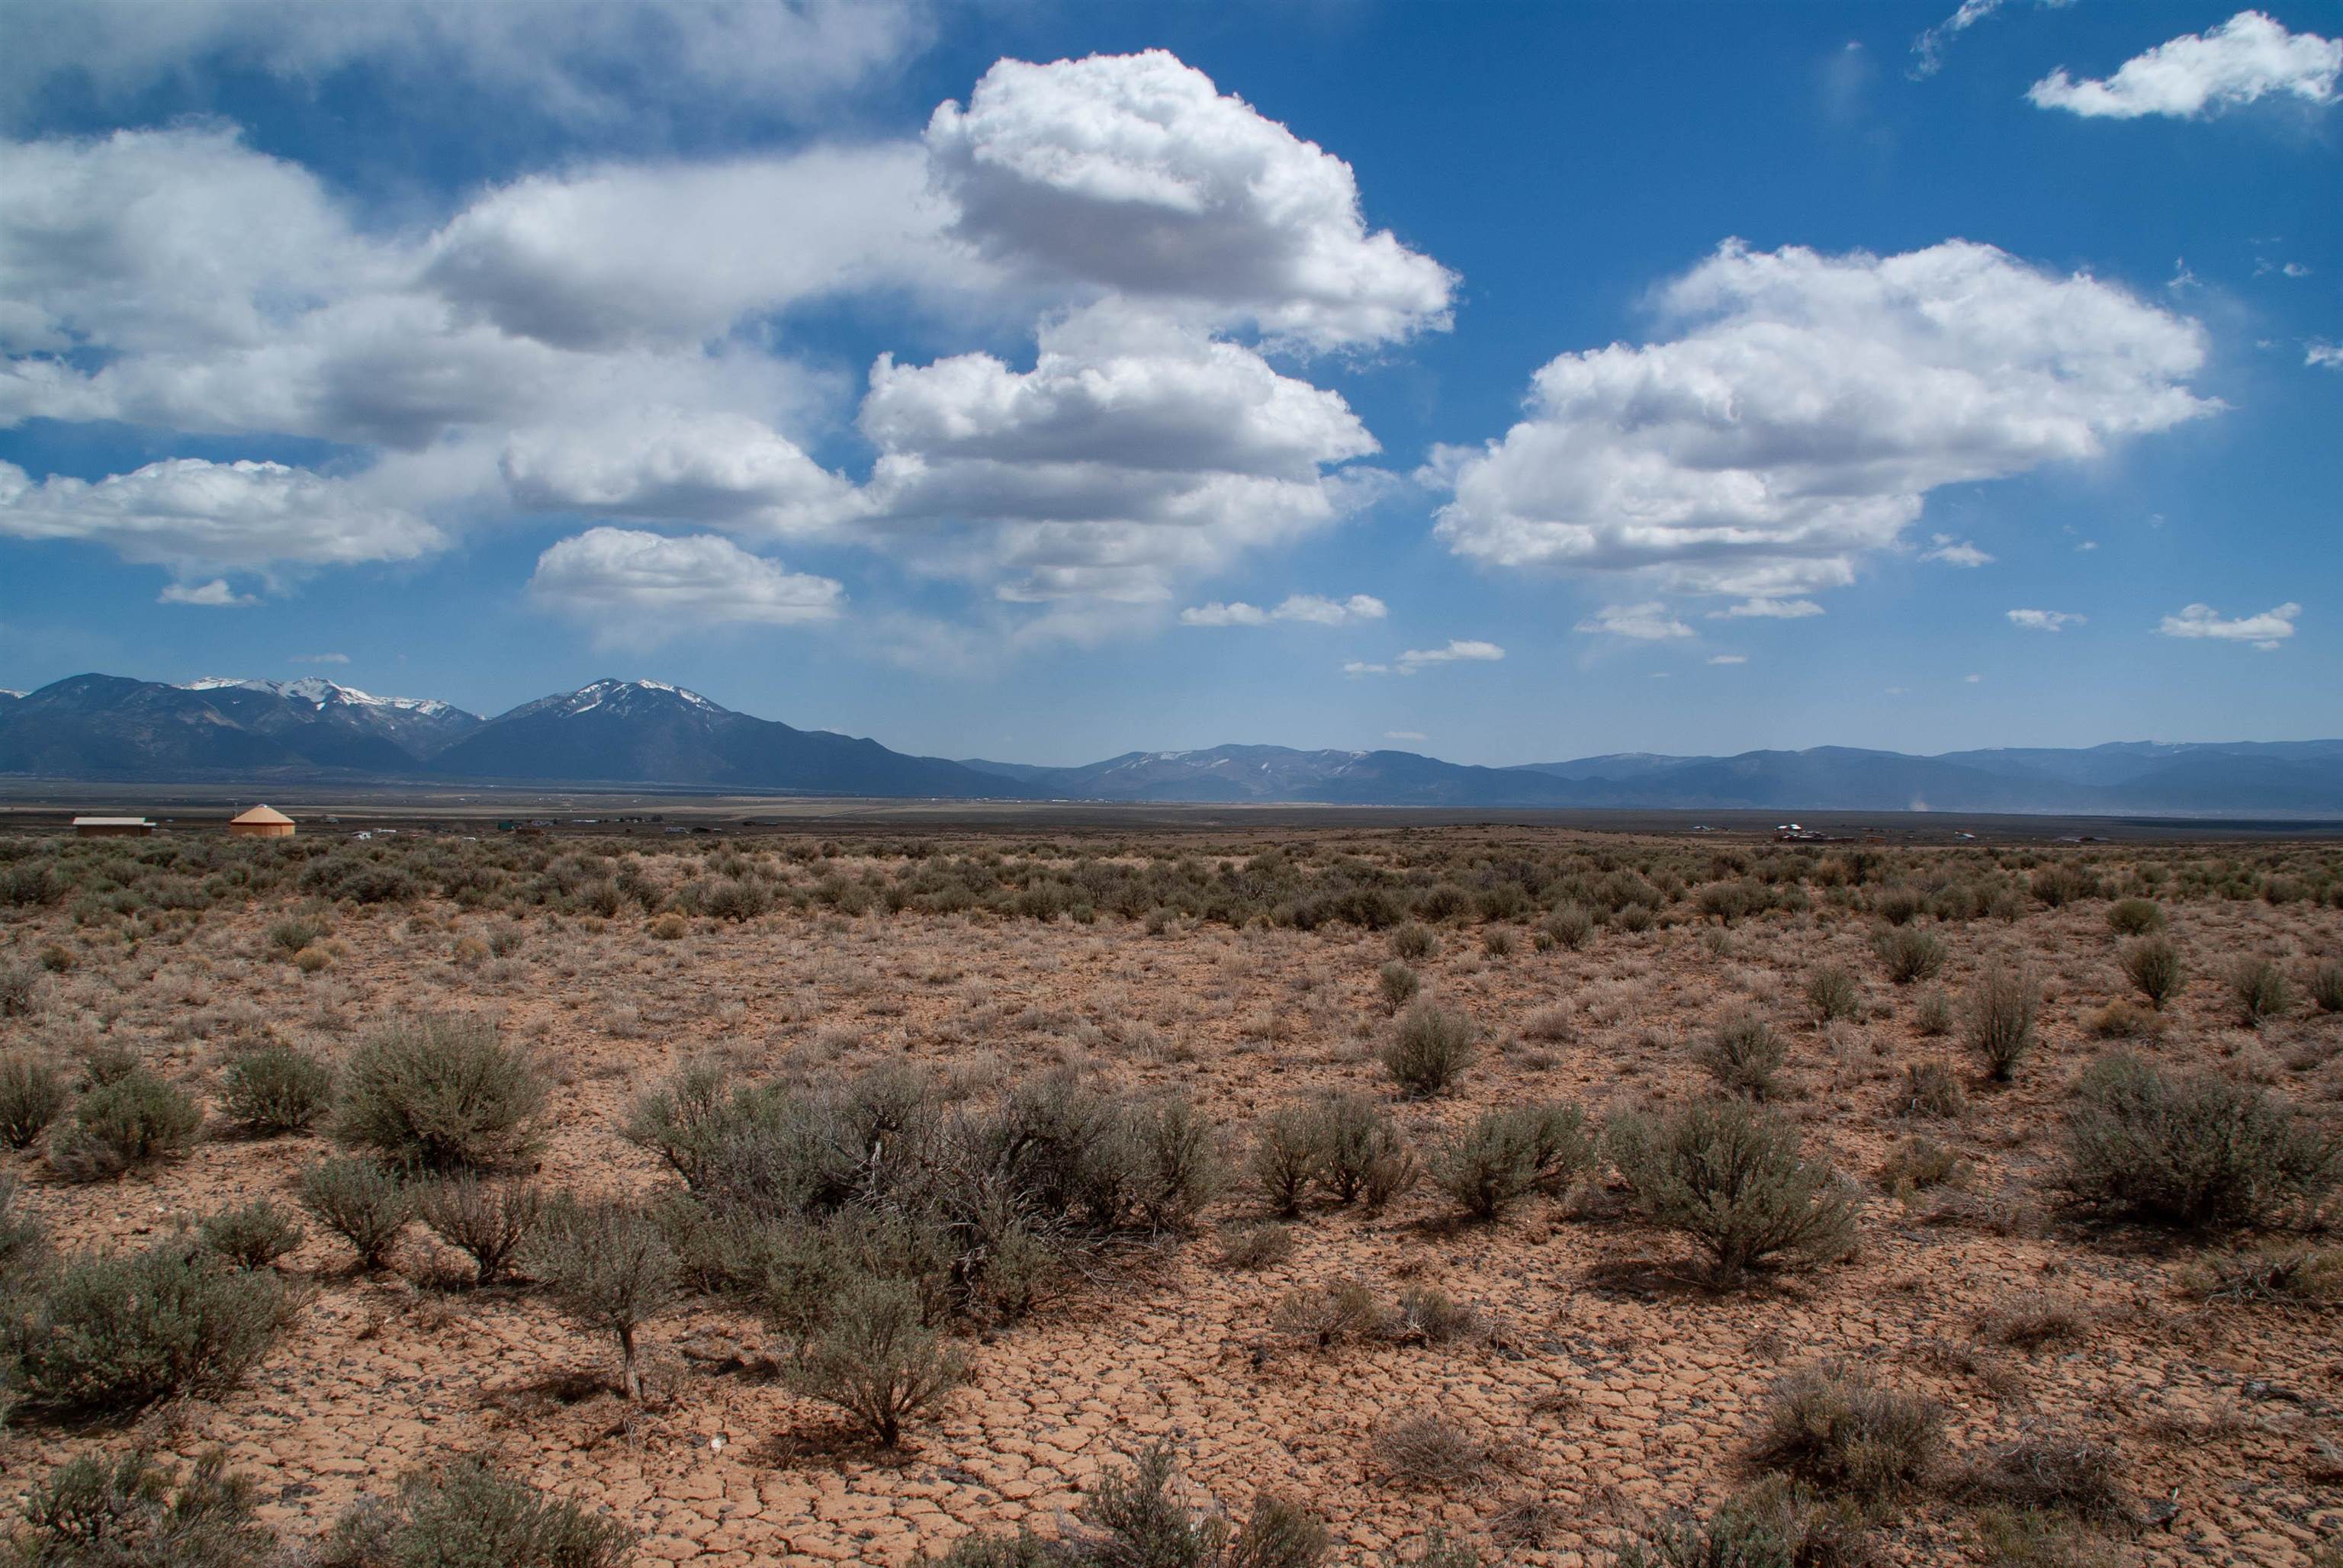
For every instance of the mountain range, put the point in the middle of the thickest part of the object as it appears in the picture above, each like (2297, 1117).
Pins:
(649, 733)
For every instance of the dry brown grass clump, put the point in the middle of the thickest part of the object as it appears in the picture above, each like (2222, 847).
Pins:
(1431, 1451)
(1842, 1434)
(2056, 1472)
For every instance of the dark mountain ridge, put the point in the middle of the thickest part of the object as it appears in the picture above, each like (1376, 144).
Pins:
(650, 733)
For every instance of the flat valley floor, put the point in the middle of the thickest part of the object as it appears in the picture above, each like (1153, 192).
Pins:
(1608, 1384)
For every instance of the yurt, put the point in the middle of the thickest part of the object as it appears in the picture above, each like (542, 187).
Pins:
(261, 822)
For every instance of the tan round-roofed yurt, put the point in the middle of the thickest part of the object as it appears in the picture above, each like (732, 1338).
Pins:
(261, 822)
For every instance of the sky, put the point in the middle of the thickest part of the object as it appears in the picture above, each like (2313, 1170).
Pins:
(1040, 381)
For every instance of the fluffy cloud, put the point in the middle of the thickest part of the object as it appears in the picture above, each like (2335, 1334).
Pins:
(636, 587)
(226, 293)
(213, 595)
(627, 252)
(2265, 630)
(1768, 609)
(2247, 57)
(2044, 619)
(1810, 406)
(2323, 355)
(714, 468)
(1466, 651)
(1646, 622)
(611, 339)
(1954, 552)
(1135, 174)
(1136, 451)
(1461, 650)
(1303, 606)
(580, 66)
(188, 515)
(161, 240)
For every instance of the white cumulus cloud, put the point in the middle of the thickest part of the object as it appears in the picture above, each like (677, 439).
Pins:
(2323, 355)
(1768, 609)
(213, 595)
(2265, 630)
(1647, 622)
(188, 514)
(638, 587)
(1809, 406)
(715, 468)
(1136, 451)
(577, 66)
(2249, 56)
(1464, 650)
(1311, 607)
(1458, 651)
(1134, 172)
(1954, 552)
(2044, 619)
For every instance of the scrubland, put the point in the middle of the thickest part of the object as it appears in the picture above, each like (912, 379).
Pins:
(1447, 1196)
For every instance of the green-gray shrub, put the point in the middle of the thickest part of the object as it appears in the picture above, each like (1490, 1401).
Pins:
(23, 1240)
(1288, 1153)
(124, 1125)
(612, 1267)
(1833, 994)
(2134, 917)
(1430, 1050)
(130, 1513)
(1570, 926)
(1934, 1017)
(1398, 984)
(1743, 1055)
(1510, 1153)
(440, 1091)
(276, 1087)
(2261, 992)
(2326, 985)
(112, 1332)
(251, 1235)
(2002, 1011)
(2153, 966)
(1362, 1156)
(490, 1221)
(32, 1094)
(469, 1514)
(1929, 1088)
(874, 1358)
(1135, 1518)
(1909, 953)
(1412, 942)
(1730, 1177)
(359, 1200)
(2195, 1151)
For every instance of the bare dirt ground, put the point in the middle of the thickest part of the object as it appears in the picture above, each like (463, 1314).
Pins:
(1614, 1386)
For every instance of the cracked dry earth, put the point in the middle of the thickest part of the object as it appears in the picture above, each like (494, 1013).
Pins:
(1613, 1386)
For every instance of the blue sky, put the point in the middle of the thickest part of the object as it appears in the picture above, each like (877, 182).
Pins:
(1505, 382)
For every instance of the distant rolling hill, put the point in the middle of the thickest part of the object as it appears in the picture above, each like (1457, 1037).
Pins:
(651, 734)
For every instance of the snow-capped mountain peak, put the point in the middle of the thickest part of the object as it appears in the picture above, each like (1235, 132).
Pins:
(318, 692)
